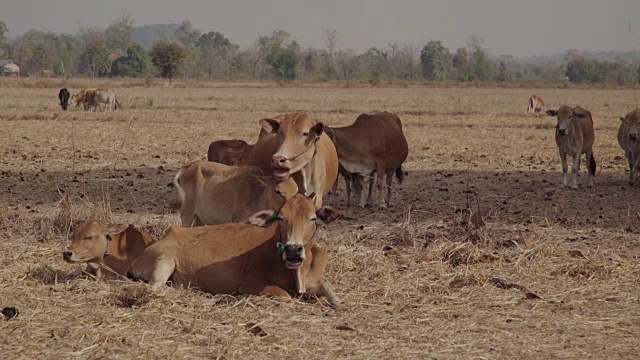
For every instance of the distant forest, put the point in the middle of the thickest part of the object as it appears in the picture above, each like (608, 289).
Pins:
(182, 51)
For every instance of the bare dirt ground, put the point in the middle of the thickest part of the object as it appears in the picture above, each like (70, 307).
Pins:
(553, 273)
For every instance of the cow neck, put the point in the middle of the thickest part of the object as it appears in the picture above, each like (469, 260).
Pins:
(314, 143)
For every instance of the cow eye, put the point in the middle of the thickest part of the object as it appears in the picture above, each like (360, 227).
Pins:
(314, 219)
(88, 237)
(305, 134)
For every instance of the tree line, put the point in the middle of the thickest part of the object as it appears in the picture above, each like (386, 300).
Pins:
(191, 53)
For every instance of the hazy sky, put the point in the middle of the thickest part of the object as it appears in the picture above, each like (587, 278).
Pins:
(514, 27)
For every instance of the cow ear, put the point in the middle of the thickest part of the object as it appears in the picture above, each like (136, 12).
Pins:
(270, 125)
(622, 119)
(317, 129)
(580, 115)
(263, 218)
(552, 112)
(312, 196)
(114, 229)
(327, 214)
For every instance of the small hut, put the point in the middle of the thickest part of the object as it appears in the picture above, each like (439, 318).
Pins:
(9, 68)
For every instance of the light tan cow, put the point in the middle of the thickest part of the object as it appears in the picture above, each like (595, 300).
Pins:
(279, 257)
(114, 246)
(373, 143)
(575, 136)
(210, 193)
(93, 99)
(535, 104)
(628, 140)
(81, 95)
(296, 145)
(229, 152)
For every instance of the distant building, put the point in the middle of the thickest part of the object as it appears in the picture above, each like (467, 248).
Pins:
(9, 68)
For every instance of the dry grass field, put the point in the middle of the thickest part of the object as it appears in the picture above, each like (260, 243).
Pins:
(553, 273)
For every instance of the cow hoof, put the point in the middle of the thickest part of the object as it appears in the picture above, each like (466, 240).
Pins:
(382, 207)
(367, 205)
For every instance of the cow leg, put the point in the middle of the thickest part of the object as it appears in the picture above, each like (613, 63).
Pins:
(563, 159)
(630, 160)
(588, 155)
(164, 268)
(379, 181)
(574, 170)
(359, 187)
(347, 183)
(276, 291)
(389, 183)
(636, 165)
(325, 289)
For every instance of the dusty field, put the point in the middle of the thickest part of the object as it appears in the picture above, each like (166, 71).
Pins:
(440, 291)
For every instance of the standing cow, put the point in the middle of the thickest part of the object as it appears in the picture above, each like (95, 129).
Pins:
(575, 136)
(63, 95)
(535, 104)
(628, 140)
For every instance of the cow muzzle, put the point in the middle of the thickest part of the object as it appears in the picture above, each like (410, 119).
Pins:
(281, 167)
(633, 137)
(69, 257)
(292, 254)
(562, 132)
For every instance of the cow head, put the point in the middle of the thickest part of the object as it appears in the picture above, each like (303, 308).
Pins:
(631, 122)
(91, 241)
(275, 193)
(565, 116)
(299, 134)
(297, 226)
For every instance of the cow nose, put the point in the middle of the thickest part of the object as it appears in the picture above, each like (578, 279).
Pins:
(67, 255)
(633, 136)
(562, 131)
(295, 249)
(278, 160)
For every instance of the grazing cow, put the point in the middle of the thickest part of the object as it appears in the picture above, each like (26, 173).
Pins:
(296, 145)
(373, 143)
(628, 140)
(93, 98)
(63, 95)
(115, 246)
(535, 104)
(575, 136)
(211, 193)
(228, 152)
(278, 258)
(80, 97)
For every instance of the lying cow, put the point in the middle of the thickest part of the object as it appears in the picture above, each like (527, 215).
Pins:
(575, 136)
(278, 258)
(628, 140)
(63, 96)
(296, 145)
(211, 193)
(535, 104)
(372, 144)
(114, 246)
(228, 152)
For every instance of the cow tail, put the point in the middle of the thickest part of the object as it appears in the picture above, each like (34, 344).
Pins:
(592, 165)
(400, 174)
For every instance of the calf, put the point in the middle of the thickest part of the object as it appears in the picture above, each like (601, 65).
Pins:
(63, 95)
(575, 136)
(228, 152)
(280, 257)
(535, 104)
(372, 144)
(115, 246)
(628, 140)
(211, 193)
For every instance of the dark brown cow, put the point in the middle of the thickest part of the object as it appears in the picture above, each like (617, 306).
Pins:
(279, 257)
(115, 246)
(575, 136)
(373, 143)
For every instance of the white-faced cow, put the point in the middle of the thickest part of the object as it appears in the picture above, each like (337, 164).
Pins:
(372, 144)
(535, 104)
(296, 145)
(279, 257)
(628, 140)
(210, 193)
(574, 137)
(114, 246)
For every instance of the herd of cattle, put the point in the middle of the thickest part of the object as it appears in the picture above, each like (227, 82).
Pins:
(249, 214)
(90, 98)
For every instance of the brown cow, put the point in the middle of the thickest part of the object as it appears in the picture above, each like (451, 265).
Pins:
(628, 140)
(228, 152)
(114, 246)
(535, 104)
(210, 193)
(81, 95)
(373, 143)
(296, 145)
(278, 258)
(575, 136)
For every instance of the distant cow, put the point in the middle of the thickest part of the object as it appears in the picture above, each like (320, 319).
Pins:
(115, 246)
(575, 136)
(228, 152)
(372, 144)
(93, 98)
(63, 95)
(211, 193)
(80, 97)
(296, 145)
(279, 257)
(628, 140)
(535, 104)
